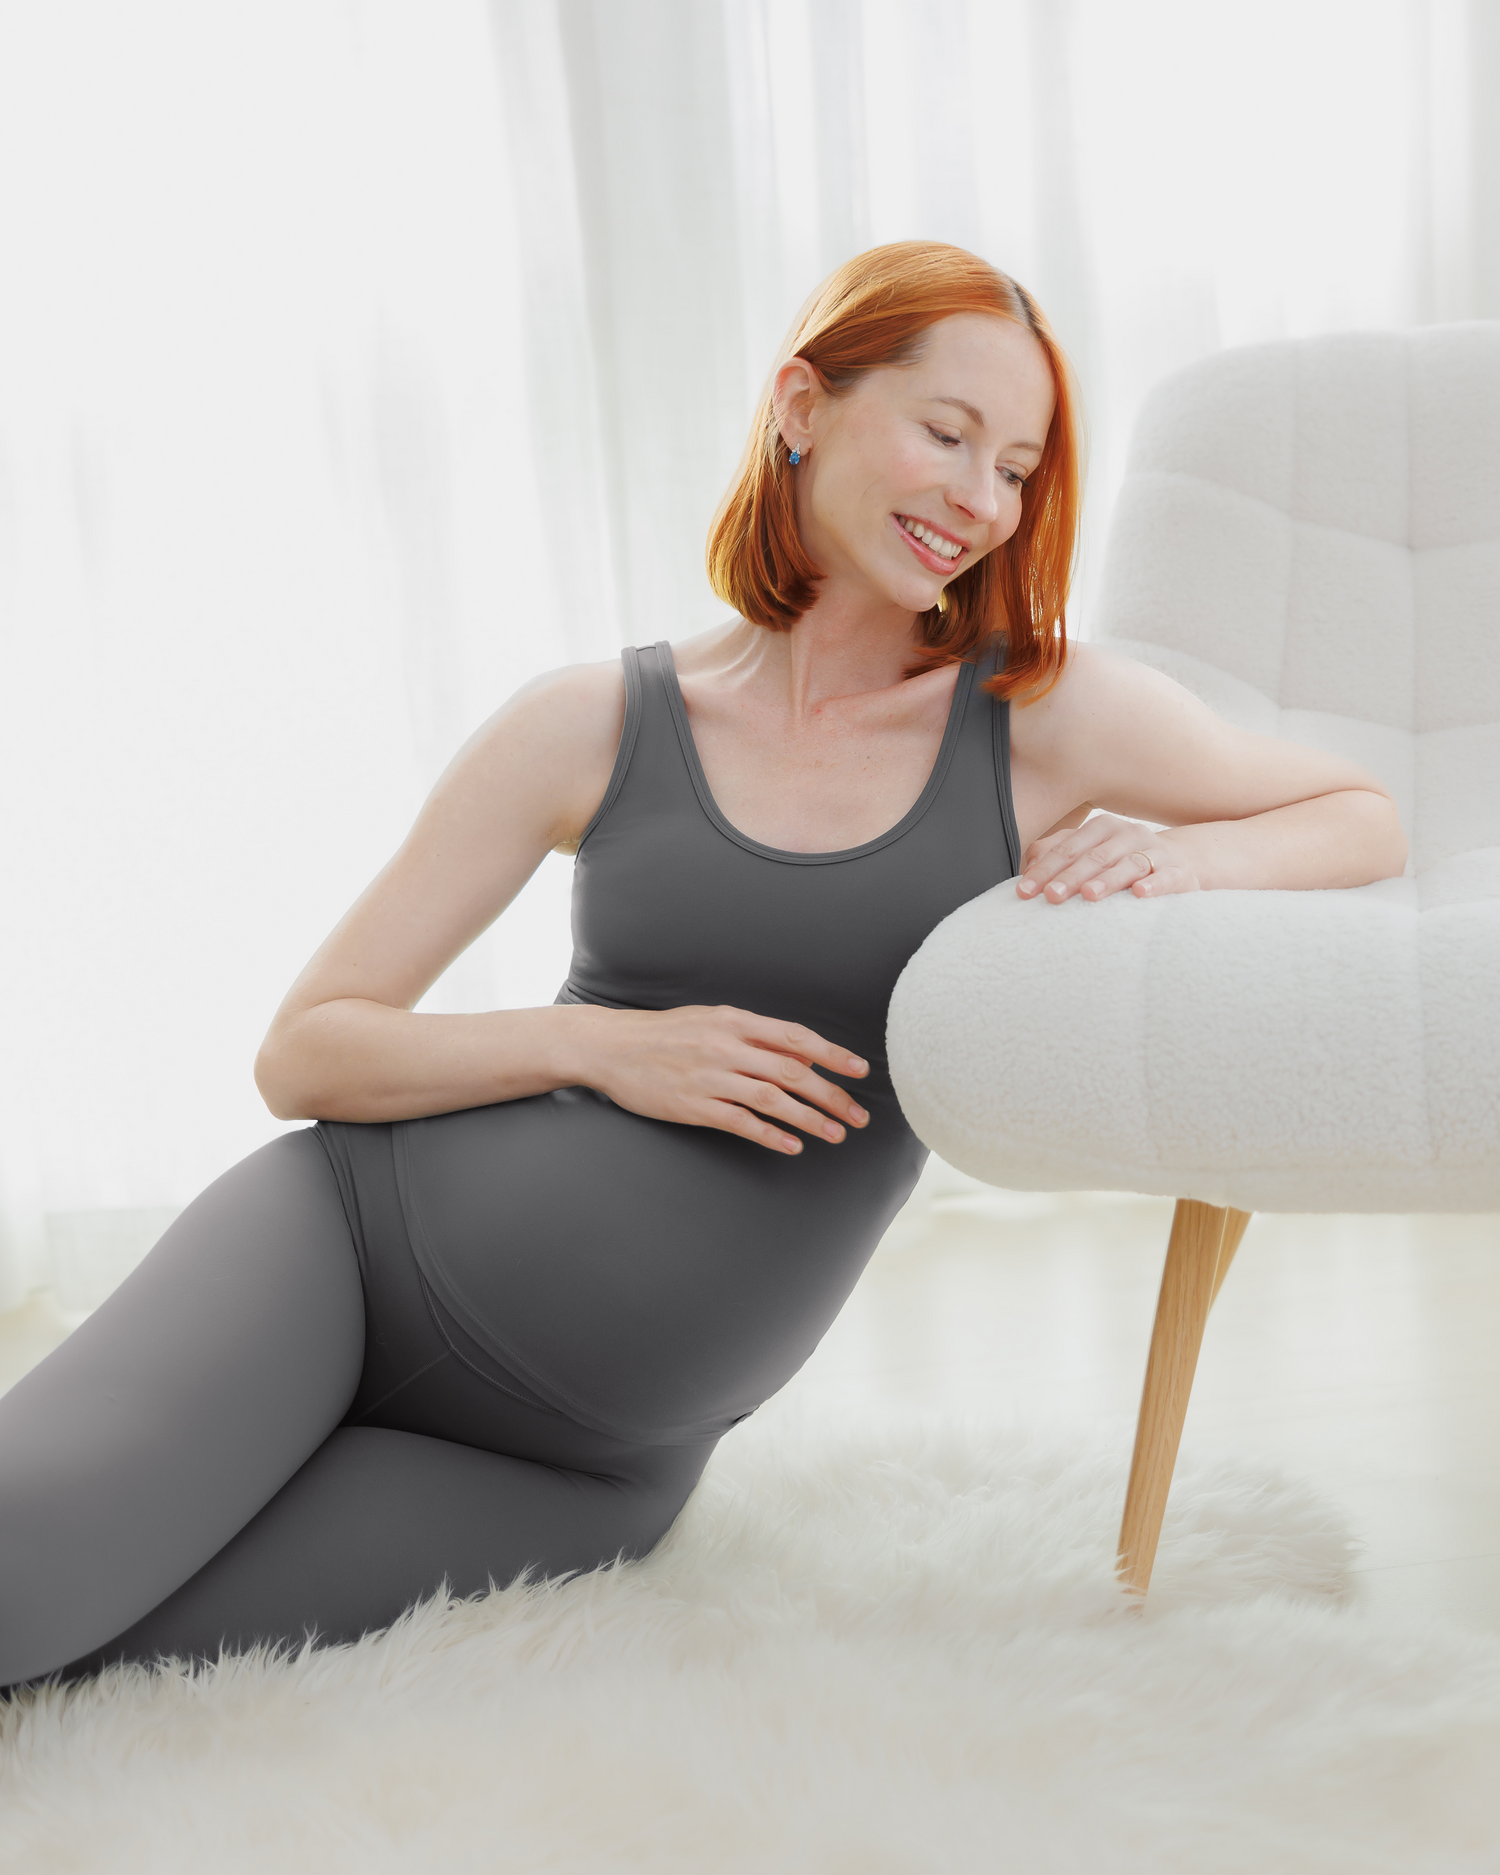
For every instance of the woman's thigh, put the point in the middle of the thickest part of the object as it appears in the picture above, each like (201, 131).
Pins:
(446, 1470)
(378, 1519)
(179, 1408)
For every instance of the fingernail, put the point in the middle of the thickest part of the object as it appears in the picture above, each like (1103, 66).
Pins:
(858, 1115)
(831, 1130)
(1027, 888)
(858, 1065)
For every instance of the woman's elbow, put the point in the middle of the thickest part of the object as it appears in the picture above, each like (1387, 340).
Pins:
(1386, 844)
(277, 1087)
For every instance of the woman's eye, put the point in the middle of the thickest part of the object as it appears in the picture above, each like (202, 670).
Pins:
(941, 437)
(1015, 480)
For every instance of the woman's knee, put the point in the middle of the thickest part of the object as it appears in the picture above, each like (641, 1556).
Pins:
(651, 1494)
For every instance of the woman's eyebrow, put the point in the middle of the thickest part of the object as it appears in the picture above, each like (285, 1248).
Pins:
(960, 403)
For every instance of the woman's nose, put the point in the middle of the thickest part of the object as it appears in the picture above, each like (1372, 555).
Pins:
(976, 497)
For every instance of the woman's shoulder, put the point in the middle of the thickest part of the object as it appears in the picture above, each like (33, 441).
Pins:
(576, 716)
(599, 686)
(576, 683)
(1084, 685)
(708, 650)
(1057, 733)
(569, 721)
(584, 704)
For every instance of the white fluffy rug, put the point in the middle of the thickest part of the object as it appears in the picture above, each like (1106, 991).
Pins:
(893, 1649)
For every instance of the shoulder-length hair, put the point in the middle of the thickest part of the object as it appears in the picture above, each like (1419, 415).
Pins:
(875, 310)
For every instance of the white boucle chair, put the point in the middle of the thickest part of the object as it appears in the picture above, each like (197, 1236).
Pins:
(1308, 538)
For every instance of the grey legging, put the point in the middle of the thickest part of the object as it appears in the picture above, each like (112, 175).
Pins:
(257, 1437)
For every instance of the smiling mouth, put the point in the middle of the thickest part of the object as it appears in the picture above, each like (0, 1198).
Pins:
(941, 552)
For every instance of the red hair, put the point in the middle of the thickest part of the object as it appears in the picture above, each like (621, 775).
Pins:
(873, 311)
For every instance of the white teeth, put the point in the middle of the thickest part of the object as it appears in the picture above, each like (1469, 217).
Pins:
(950, 550)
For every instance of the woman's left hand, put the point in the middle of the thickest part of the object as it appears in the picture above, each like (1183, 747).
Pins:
(1104, 855)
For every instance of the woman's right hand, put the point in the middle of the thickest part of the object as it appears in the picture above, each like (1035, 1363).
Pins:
(724, 1067)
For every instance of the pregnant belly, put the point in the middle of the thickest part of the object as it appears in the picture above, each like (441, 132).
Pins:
(652, 1280)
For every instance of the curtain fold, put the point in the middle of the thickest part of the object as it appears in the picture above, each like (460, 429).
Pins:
(649, 95)
(565, 445)
(358, 362)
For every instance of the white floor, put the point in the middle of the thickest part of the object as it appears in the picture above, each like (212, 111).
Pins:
(1362, 1353)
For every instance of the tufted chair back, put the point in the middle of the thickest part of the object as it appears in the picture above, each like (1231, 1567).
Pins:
(1347, 597)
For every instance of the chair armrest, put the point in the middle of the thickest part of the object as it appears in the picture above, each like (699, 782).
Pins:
(1273, 1051)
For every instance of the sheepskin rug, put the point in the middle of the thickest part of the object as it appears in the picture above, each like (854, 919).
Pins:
(875, 1648)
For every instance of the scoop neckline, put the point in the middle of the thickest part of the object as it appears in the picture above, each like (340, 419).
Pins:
(961, 687)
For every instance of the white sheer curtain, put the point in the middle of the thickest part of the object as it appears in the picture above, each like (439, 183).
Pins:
(358, 361)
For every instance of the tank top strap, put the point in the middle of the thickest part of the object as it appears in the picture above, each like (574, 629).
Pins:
(994, 715)
(648, 763)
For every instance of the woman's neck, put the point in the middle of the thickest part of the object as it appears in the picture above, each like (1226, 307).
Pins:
(832, 652)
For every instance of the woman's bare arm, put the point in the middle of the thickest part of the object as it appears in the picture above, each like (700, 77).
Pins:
(354, 1059)
(346, 1043)
(1238, 809)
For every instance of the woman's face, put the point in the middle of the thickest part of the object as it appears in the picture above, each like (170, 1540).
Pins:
(942, 446)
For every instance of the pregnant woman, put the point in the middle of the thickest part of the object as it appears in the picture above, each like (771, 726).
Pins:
(493, 1310)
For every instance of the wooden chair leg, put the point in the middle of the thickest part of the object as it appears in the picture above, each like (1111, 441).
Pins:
(1234, 1230)
(1202, 1246)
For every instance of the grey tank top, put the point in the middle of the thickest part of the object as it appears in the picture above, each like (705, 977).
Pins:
(656, 1280)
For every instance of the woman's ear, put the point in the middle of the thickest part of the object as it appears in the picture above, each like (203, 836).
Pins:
(795, 391)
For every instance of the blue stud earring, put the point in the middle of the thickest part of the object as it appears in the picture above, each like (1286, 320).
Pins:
(796, 457)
